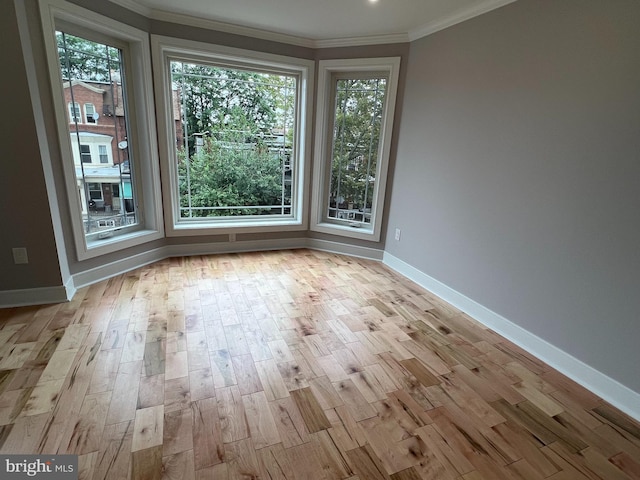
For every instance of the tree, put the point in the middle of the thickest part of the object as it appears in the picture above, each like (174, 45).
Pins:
(82, 59)
(210, 94)
(359, 106)
(236, 114)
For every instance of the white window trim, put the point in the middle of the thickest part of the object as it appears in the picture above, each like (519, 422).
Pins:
(141, 123)
(321, 167)
(166, 48)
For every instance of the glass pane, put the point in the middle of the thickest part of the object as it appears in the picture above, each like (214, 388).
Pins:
(85, 153)
(359, 106)
(104, 156)
(90, 111)
(74, 111)
(235, 140)
(92, 77)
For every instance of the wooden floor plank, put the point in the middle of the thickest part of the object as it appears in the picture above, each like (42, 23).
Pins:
(148, 428)
(262, 427)
(207, 434)
(311, 411)
(179, 466)
(147, 464)
(232, 415)
(177, 432)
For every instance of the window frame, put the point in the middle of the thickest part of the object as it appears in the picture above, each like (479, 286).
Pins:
(60, 14)
(87, 148)
(89, 118)
(328, 72)
(167, 49)
(72, 117)
(99, 189)
(105, 155)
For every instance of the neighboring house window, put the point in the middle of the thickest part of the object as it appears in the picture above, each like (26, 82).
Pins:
(88, 51)
(240, 155)
(85, 153)
(74, 113)
(356, 101)
(90, 113)
(95, 191)
(102, 153)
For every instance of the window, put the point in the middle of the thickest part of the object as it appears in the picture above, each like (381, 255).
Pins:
(90, 113)
(74, 113)
(91, 56)
(356, 101)
(237, 129)
(102, 153)
(95, 191)
(88, 65)
(355, 124)
(236, 122)
(85, 153)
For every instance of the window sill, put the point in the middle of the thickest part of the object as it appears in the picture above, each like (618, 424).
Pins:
(96, 248)
(234, 225)
(360, 232)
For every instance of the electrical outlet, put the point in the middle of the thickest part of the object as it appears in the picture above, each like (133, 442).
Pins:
(20, 256)
(397, 234)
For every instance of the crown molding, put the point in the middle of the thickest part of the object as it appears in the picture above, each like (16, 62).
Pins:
(359, 41)
(458, 17)
(415, 34)
(134, 6)
(208, 24)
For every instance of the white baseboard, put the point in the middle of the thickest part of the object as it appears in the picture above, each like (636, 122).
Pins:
(35, 296)
(344, 249)
(109, 270)
(235, 247)
(70, 288)
(597, 382)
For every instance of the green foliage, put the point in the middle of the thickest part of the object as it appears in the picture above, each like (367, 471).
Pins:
(228, 171)
(213, 96)
(359, 105)
(82, 59)
(235, 112)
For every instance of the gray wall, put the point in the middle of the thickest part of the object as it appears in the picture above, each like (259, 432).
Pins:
(517, 180)
(25, 218)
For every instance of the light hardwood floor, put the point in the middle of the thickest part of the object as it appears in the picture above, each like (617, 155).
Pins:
(297, 365)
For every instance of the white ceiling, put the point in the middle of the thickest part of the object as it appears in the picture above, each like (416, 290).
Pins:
(319, 22)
